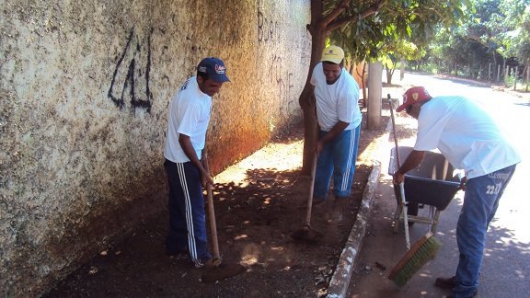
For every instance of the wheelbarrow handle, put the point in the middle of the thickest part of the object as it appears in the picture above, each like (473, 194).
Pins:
(401, 184)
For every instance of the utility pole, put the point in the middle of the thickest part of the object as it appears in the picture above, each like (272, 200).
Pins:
(375, 90)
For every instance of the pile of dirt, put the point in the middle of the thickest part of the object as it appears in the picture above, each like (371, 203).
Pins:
(259, 203)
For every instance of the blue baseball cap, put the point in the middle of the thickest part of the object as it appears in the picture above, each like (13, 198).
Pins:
(214, 68)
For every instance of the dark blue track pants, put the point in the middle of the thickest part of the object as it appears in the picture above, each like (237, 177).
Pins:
(337, 160)
(187, 221)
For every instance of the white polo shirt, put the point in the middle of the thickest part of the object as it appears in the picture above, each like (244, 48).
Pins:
(339, 101)
(189, 114)
(465, 134)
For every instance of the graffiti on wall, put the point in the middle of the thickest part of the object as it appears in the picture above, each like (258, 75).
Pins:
(279, 74)
(267, 29)
(283, 79)
(130, 82)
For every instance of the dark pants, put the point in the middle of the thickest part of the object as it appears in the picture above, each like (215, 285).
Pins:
(187, 221)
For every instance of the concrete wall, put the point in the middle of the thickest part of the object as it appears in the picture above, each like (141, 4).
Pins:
(84, 92)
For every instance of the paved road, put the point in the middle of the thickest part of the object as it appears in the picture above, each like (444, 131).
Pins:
(506, 268)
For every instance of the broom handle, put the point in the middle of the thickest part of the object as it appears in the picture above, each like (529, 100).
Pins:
(211, 214)
(401, 184)
(394, 130)
(405, 214)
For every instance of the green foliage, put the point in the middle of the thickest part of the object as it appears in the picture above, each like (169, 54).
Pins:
(493, 31)
(396, 26)
(518, 17)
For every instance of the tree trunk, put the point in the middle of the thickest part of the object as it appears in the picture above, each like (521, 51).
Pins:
(319, 28)
(389, 75)
(318, 32)
(527, 77)
(307, 103)
(402, 70)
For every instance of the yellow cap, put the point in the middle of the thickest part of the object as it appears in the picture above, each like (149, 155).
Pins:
(333, 54)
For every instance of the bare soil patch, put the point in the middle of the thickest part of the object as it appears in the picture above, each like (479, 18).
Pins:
(259, 203)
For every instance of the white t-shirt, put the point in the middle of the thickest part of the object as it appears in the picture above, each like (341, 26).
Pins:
(465, 134)
(339, 101)
(189, 114)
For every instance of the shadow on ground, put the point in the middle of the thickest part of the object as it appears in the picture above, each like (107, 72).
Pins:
(255, 216)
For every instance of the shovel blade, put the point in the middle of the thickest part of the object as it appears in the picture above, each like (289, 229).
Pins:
(307, 234)
(222, 271)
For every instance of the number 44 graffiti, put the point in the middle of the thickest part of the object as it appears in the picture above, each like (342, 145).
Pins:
(130, 80)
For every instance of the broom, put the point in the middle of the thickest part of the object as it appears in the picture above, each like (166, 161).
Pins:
(424, 249)
(421, 252)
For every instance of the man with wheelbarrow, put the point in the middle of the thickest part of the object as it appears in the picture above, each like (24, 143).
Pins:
(470, 140)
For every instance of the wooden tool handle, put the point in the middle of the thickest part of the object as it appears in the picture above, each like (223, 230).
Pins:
(211, 214)
(394, 131)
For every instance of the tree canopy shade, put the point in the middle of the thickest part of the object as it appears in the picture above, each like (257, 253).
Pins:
(364, 29)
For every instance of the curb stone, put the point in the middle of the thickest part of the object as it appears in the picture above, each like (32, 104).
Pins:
(340, 281)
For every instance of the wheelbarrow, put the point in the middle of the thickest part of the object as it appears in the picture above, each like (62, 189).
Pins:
(433, 184)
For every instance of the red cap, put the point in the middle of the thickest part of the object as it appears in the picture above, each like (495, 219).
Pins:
(412, 96)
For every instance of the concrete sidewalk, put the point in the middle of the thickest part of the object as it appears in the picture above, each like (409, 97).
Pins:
(382, 249)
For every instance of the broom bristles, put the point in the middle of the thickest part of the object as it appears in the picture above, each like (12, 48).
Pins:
(422, 251)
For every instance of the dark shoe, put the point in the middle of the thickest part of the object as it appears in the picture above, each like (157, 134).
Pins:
(474, 294)
(448, 283)
(204, 263)
(178, 254)
(445, 283)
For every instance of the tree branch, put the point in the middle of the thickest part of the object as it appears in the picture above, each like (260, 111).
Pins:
(373, 9)
(336, 12)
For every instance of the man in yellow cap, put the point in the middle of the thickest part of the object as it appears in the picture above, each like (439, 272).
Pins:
(339, 119)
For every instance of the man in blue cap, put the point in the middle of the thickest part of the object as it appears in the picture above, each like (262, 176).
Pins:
(185, 165)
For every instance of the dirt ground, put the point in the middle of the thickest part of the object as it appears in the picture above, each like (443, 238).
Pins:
(259, 203)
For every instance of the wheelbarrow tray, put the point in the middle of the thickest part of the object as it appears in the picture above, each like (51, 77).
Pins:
(432, 183)
(437, 193)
